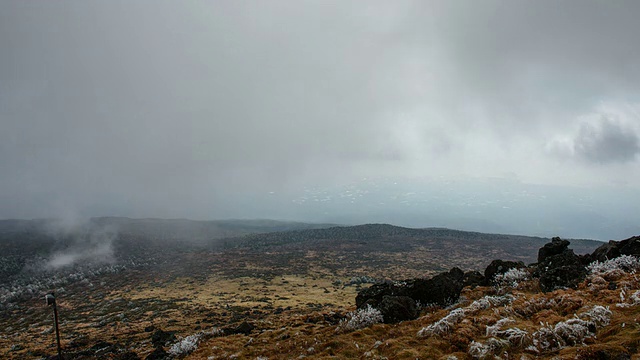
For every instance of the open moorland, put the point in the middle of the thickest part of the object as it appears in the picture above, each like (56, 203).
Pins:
(280, 290)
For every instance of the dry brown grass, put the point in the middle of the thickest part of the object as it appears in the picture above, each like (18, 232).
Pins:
(295, 338)
(295, 315)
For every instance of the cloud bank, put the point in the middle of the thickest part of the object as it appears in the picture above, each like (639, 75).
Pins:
(193, 110)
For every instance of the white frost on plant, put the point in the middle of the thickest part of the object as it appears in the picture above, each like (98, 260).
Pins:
(634, 299)
(360, 318)
(189, 344)
(447, 323)
(490, 301)
(478, 350)
(599, 315)
(493, 346)
(515, 336)
(571, 332)
(185, 346)
(443, 325)
(511, 278)
(626, 263)
(492, 330)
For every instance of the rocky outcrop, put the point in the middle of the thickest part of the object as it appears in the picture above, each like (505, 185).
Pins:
(564, 270)
(397, 308)
(442, 289)
(500, 267)
(473, 279)
(555, 247)
(613, 249)
(244, 328)
(161, 338)
(558, 267)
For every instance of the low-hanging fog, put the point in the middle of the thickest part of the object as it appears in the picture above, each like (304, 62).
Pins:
(508, 116)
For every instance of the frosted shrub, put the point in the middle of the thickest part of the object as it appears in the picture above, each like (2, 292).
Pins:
(478, 350)
(570, 332)
(443, 325)
(185, 346)
(634, 299)
(361, 318)
(599, 315)
(515, 336)
(511, 278)
(626, 263)
(493, 346)
(489, 301)
(493, 330)
(446, 324)
(190, 343)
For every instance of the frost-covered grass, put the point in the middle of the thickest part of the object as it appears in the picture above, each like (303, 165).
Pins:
(360, 318)
(512, 278)
(626, 263)
(478, 350)
(444, 325)
(447, 323)
(570, 332)
(189, 344)
(633, 300)
(185, 346)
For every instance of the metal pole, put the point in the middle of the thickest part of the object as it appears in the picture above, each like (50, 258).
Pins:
(51, 300)
(55, 319)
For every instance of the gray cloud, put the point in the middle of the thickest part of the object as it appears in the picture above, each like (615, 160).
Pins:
(158, 109)
(606, 142)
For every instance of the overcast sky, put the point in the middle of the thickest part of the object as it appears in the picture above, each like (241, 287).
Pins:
(165, 108)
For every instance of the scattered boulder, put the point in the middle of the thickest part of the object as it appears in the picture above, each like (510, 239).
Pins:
(473, 279)
(160, 338)
(563, 270)
(244, 328)
(606, 251)
(443, 289)
(613, 249)
(397, 308)
(500, 267)
(555, 247)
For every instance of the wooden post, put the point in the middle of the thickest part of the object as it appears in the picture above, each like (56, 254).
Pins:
(51, 300)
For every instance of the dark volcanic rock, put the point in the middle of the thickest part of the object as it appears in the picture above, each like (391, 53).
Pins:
(555, 247)
(244, 328)
(160, 338)
(606, 251)
(397, 308)
(500, 267)
(564, 270)
(442, 289)
(473, 279)
(613, 249)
